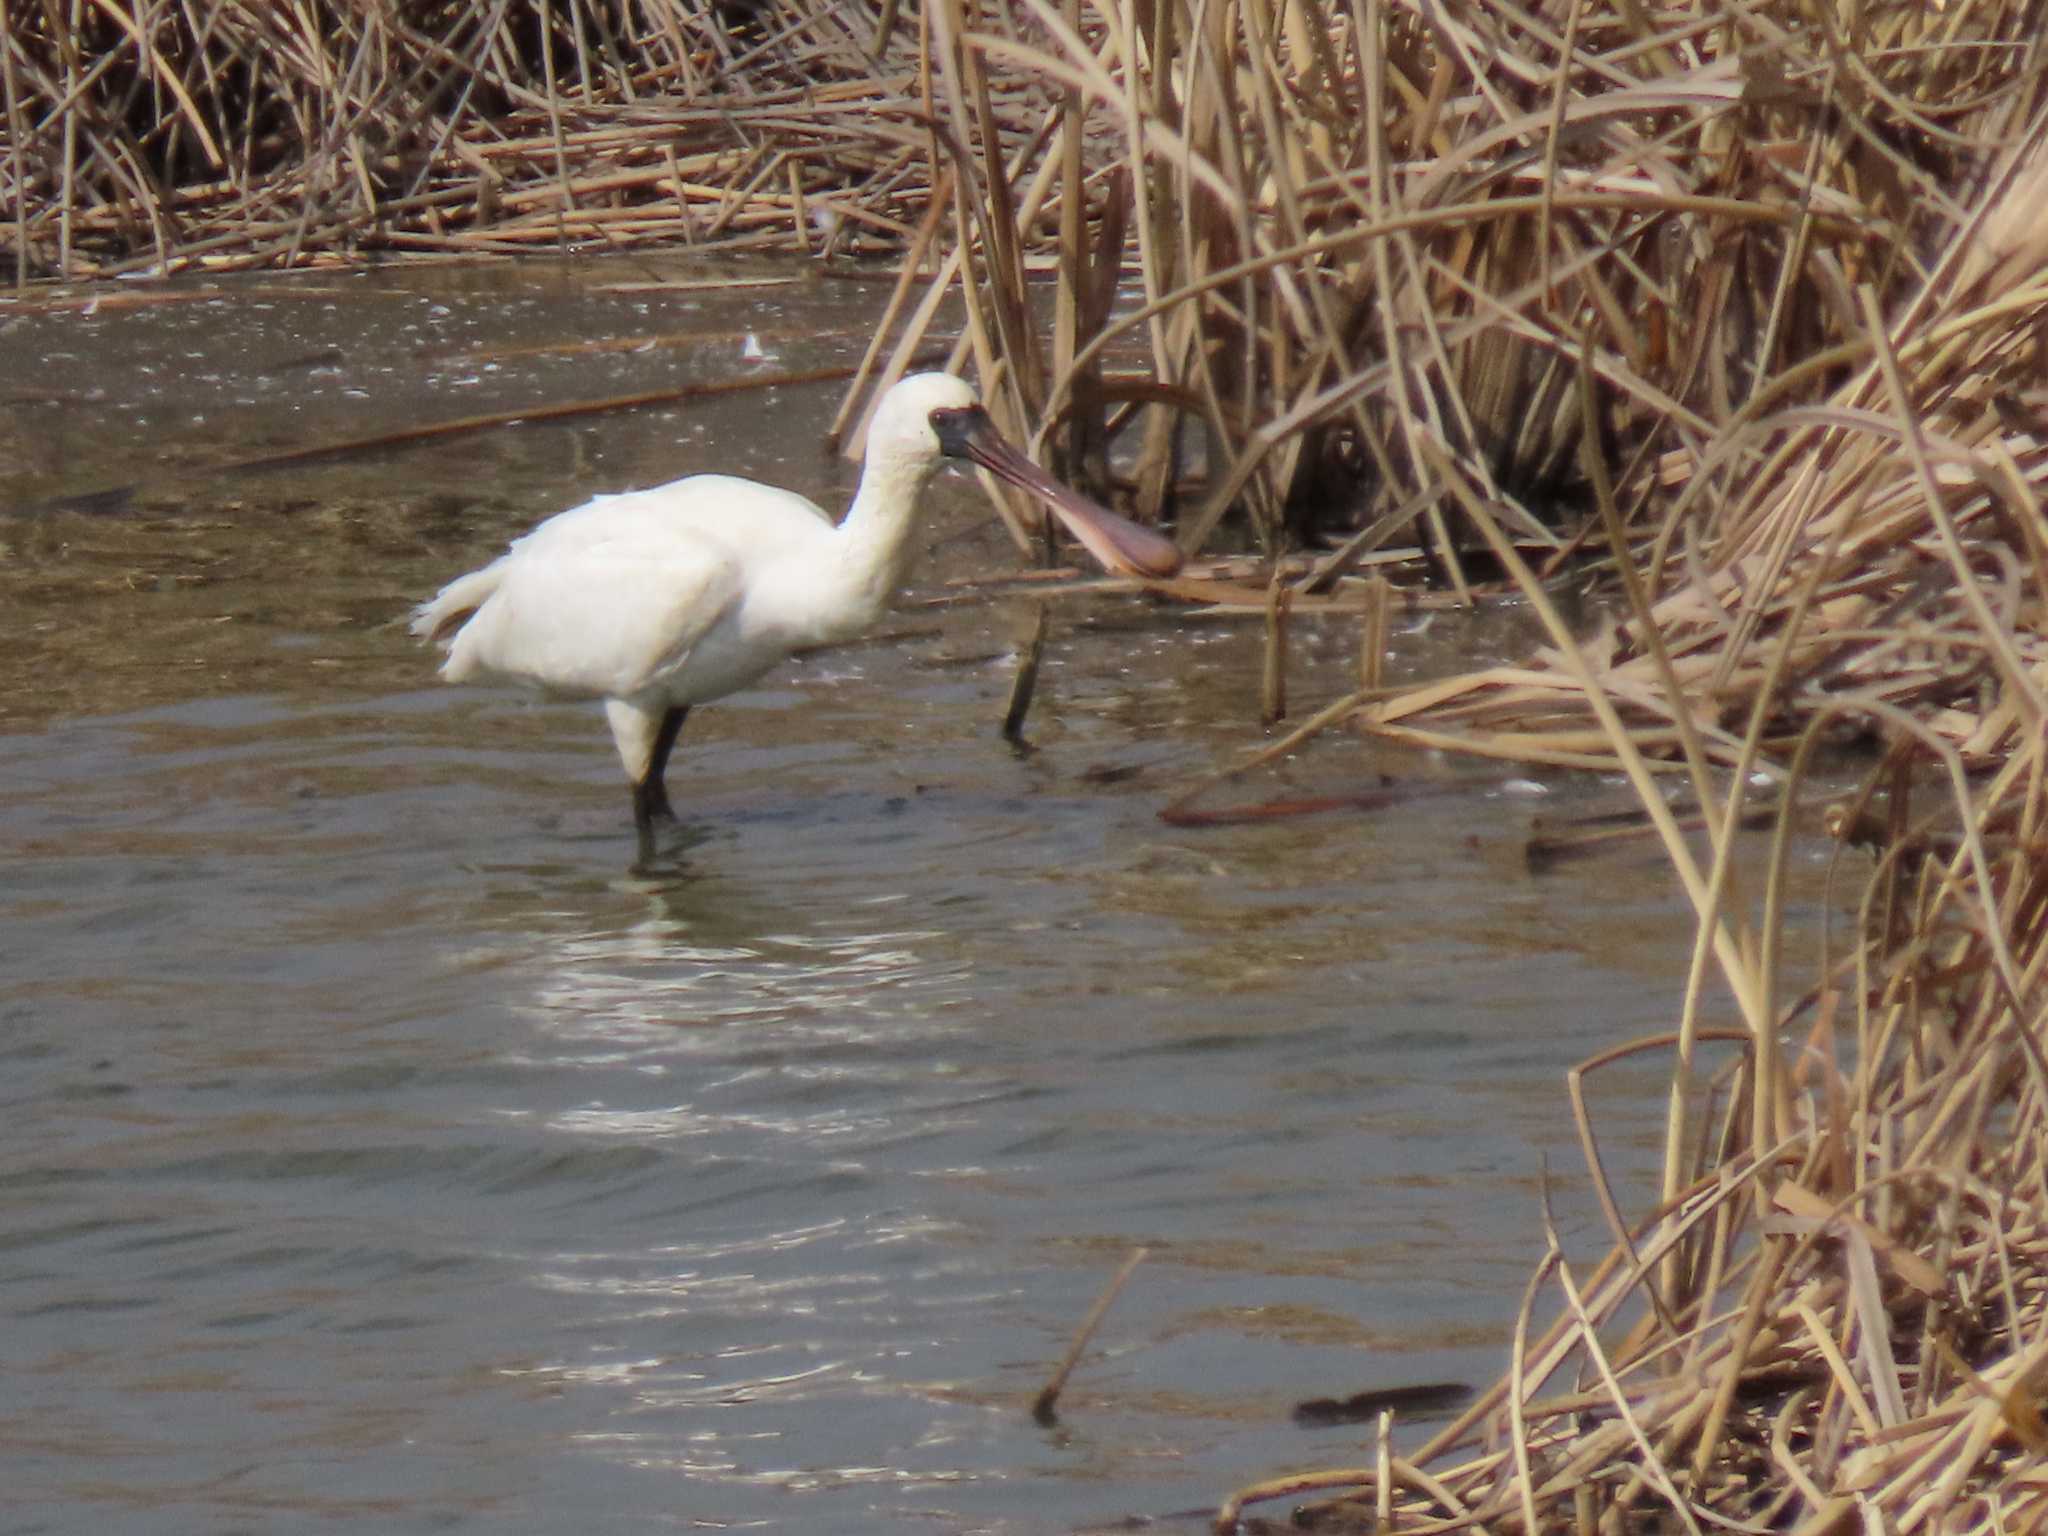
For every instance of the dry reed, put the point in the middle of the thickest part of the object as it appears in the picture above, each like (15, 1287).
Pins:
(1368, 234)
(226, 133)
(1761, 290)
(1837, 1317)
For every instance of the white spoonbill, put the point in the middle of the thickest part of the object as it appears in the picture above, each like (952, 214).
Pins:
(660, 599)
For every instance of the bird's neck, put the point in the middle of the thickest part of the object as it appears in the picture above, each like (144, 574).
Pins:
(875, 534)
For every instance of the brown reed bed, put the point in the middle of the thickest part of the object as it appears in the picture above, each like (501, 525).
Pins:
(1366, 233)
(1744, 301)
(1740, 307)
(1836, 1317)
(218, 134)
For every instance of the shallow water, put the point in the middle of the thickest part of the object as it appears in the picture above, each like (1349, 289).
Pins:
(376, 1153)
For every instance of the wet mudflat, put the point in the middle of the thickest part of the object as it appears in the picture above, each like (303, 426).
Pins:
(376, 1153)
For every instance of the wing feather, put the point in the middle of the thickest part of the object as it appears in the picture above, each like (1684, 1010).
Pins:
(596, 620)
(616, 597)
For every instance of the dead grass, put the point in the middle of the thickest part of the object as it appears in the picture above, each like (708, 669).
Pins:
(1837, 1318)
(1759, 292)
(227, 133)
(1368, 231)
(1745, 301)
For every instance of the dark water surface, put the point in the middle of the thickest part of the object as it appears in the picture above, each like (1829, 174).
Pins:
(376, 1154)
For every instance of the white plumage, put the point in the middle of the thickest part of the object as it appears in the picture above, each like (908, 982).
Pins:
(660, 599)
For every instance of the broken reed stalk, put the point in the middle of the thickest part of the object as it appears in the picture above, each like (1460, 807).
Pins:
(1044, 1407)
(1025, 682)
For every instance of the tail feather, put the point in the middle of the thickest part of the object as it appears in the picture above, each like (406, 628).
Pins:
(440, 616)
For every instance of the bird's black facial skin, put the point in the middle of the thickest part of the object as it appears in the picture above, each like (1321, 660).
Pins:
(957, 429)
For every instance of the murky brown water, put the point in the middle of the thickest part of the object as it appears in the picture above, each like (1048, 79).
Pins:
(377, 1154)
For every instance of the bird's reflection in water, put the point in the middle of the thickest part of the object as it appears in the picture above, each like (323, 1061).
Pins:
(774, 1087)
(652, 974)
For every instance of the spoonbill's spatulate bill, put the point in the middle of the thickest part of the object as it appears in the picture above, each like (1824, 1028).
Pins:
(661, 599)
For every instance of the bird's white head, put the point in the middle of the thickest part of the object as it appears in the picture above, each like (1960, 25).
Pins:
(930, 416)
(902, 430)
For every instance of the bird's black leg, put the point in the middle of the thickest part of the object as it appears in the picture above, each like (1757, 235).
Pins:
(643, 824)
(651, 787)
(650, 795)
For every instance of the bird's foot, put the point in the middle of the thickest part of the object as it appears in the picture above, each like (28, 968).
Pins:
(650, 800)
(650, 803)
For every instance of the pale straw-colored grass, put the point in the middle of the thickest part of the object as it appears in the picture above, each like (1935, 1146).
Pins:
(1757, 293)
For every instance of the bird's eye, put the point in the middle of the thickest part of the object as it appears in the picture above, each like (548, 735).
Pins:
(954, 426)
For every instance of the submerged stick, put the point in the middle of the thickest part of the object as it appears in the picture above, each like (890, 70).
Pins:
(1025, 683)
(402, 437)
(1042, 1409)
(1372, 641)
(675, 394)
(1425, 1397)
(1273, 683)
